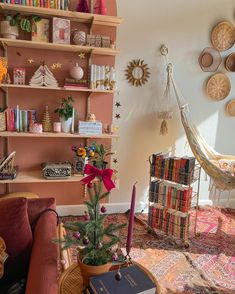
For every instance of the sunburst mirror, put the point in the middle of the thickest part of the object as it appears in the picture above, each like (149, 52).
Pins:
(137, 72)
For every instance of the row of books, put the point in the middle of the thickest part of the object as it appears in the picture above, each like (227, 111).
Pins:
(176, 169)
(170, 221)
(170, 195)
(74, 83)
(56, 4)
(19, 120)
(102, 77)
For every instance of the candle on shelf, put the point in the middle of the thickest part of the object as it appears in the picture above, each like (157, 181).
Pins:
(131, 221)
(57, 127)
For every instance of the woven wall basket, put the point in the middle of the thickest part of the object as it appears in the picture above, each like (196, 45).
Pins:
(2, 121)
(230, 62)
(218, 87)
(223, 36)
(230, 107)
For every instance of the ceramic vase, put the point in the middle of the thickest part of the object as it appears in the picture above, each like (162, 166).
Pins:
(76, 72)
(66, 125)
(79, 165)
(8, 31)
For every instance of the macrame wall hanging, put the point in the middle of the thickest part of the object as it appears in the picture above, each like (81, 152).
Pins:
(165, 113)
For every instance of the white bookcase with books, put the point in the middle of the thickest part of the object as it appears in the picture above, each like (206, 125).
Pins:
(173, 193)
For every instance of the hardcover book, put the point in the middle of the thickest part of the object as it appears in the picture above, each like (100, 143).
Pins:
(134, 281)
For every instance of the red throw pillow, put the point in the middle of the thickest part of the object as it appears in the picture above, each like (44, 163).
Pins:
(16, 232)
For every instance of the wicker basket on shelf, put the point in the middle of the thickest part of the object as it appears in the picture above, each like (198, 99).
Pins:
(2, 122)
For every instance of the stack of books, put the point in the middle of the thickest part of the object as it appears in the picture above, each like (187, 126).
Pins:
(170, 221)
(170, 195)
(19, 120)
(56, 4)
(134, 280)
(73, 83)
(102, 77)
(176, 169)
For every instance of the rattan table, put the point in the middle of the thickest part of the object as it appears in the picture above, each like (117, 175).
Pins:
(71, 282)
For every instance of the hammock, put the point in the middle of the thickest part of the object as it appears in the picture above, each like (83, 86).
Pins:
(210, 160)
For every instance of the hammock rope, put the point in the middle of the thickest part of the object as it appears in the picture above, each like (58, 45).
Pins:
(207, 157)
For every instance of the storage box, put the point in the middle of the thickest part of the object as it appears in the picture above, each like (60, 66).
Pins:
(90, 127)
(56, 170)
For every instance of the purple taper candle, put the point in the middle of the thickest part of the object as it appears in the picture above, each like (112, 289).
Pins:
(131, 221)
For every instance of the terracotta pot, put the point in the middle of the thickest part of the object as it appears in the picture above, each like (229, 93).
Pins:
(92, 270)
(8, 31)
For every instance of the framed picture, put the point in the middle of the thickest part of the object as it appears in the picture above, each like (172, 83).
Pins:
(19, 76)
(42, 31)
(106, 41)
(61, 31)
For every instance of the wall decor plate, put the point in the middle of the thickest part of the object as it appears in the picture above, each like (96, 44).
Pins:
(230, 62)
(218, 87)
(230, 107)
(223, 36)
(210, 59)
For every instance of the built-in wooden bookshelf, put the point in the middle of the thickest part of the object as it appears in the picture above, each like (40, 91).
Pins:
(12, 86)
(57, 135)
(58, 47)
(95, 19)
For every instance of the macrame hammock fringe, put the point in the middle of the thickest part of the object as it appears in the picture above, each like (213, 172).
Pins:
(207, 157)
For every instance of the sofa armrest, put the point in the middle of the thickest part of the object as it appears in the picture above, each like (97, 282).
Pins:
(42, 276)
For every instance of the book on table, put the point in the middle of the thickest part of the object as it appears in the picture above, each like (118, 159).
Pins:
(134, 281)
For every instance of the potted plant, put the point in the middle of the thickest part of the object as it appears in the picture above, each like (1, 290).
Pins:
(65, 112)
(101, 152)
(96, 243)
(11, 23)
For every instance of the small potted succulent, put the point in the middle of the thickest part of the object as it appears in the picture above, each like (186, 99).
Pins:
(65, 112)
(11, 24)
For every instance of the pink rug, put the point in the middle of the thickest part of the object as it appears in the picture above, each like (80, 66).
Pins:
(207, 266)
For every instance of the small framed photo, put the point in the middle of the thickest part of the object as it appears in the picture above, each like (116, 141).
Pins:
(91, 40)
(61, 31)
(106, 42)
(19, 76)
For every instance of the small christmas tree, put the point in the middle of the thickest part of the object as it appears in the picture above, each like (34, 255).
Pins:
(83, 6)
(43, 77)
(95, 241)
(46, 121)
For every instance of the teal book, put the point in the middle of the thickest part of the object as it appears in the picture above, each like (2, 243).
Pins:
(134, 281)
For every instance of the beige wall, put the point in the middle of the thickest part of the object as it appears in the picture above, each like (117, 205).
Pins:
(185, 27)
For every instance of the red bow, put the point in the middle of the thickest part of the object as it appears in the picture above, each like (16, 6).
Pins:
(104, 174)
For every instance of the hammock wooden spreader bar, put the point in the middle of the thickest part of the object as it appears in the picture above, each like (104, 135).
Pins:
(207, 157)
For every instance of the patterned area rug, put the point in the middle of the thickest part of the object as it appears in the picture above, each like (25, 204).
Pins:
(207, 266)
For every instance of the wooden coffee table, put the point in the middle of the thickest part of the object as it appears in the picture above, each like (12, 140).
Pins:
(71, 281)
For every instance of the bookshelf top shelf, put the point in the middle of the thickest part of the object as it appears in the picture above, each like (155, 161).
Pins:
(95, 19)
(58, 47)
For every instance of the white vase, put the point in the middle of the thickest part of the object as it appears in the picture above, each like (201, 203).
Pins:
(8, 31)
(76, 72)
(66, 125)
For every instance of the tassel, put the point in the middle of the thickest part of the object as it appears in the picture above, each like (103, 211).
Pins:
(163, 128)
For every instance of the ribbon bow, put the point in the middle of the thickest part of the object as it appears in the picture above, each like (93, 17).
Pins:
(104, 174)
(3, 256)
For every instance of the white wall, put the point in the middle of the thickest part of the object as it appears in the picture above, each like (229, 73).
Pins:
(184, 26)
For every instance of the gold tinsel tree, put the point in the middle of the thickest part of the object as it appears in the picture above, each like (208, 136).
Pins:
(46, 121)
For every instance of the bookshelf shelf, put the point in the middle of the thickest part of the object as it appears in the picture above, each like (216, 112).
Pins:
(58, 47)
(57, 135)
(11, 86)
(25, 177)
(96, 19)
(173, 191)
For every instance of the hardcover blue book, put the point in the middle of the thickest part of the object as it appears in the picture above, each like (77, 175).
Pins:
(133, 281)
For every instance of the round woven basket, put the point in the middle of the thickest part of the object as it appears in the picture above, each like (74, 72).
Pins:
(230, 107)
(218, 87)
(230, 62)
(223, 36)
(2, 122)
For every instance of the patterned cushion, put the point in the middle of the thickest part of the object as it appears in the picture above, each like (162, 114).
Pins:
(3, 256)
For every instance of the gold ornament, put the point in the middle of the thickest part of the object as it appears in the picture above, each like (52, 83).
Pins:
(46, 121)
(137, 73)
(58, 65)
(81, 55)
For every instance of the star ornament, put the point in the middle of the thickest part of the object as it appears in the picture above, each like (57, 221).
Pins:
(117, 116)
(81, 55)
(30, 60)
(118, 104)
(58, 65)
(115, 160)
(53, 66)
